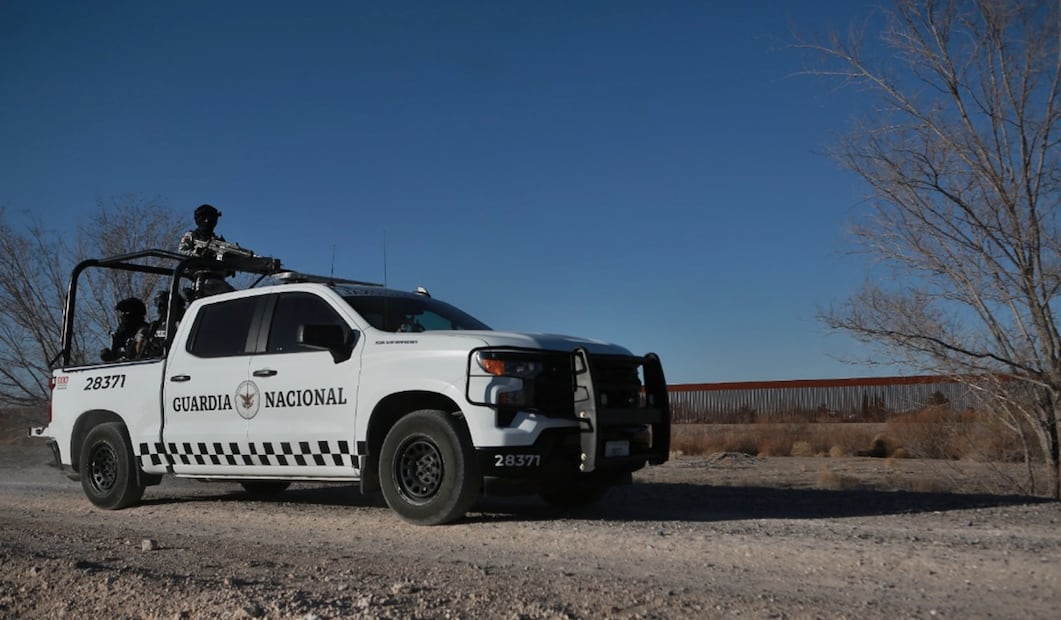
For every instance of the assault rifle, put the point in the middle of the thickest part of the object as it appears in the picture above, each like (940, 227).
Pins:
(219, 249)
(235, 255)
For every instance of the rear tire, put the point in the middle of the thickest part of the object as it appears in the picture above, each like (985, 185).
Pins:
(428, 469)
(109, 471)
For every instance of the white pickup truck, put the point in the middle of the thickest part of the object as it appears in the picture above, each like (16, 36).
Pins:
(320, 379)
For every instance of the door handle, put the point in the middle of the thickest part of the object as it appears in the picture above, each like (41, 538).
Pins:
(180, 378)
(264, 372)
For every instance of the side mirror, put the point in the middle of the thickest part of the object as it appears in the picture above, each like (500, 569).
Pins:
(328, 337)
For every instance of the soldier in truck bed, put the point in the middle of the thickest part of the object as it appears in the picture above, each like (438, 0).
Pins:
(131, 322)
(150, 342)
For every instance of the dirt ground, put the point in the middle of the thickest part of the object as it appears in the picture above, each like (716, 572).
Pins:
(725, 536)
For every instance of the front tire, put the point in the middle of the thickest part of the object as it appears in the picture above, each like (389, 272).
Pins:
(428, 470)
(109, 472)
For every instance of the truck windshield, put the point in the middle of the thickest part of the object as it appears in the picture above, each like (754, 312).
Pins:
(411, 313)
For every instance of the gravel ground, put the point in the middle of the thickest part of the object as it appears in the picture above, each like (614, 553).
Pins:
(697, 537)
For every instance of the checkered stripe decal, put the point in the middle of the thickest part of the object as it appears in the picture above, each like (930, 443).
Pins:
(295, 453)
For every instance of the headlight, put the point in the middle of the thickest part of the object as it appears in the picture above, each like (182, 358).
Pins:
(509, 364)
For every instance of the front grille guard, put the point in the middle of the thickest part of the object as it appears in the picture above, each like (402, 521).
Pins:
(597, 417)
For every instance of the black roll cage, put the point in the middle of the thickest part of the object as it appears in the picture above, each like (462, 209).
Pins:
(181, 266)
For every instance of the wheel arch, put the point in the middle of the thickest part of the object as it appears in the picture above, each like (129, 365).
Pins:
(84, 424)
(386, 413)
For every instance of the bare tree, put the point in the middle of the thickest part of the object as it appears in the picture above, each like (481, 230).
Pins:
(32, 286)
(35, 266)
(961, 156)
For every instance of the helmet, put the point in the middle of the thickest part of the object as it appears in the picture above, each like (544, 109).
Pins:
(205, 210)
(131, 305)
(162, 300)
(206, 216)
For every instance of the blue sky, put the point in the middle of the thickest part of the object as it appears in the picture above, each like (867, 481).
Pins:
(648, 173)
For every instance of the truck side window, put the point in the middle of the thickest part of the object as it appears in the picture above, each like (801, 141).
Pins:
(293, 310)
(221, 329)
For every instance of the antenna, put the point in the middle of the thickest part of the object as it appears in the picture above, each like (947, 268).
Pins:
(332, 272)
(384, 257)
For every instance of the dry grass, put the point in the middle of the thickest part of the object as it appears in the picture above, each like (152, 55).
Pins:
(932, 433)
(946, 442)
(785, 439)
(940, 433)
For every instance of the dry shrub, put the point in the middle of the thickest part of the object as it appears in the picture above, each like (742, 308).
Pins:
(984, 437)
(688, 439)
(942, 433)
(802, 448)
(738, 442)
(787, 438)
(701, 439)
(772, 446)
(772, 439)
(882, 446)
(934, 432)
(850, 437)
(928, 433)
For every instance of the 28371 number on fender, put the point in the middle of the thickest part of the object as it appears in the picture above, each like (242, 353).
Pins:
(517, 460)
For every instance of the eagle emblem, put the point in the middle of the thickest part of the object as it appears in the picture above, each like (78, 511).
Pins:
(247, 399)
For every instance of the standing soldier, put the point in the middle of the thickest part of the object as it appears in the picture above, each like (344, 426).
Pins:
(194, 243)
(205, 221)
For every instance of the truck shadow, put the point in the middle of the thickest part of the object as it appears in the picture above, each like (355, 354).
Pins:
(703, 503)
(320, 494)
(640, 502)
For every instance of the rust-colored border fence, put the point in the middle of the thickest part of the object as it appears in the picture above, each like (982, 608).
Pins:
(867, 399)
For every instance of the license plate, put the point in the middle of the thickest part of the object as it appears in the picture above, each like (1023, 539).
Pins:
(617, 448)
